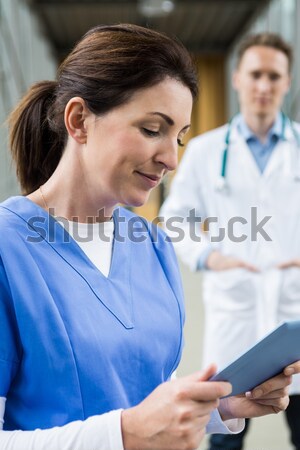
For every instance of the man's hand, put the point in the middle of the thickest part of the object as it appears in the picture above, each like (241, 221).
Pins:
(291, 263)
(217, 261)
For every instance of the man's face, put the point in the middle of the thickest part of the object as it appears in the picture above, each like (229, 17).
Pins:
(261, 80)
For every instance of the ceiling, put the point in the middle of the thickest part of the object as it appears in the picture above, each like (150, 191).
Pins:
(204, 26)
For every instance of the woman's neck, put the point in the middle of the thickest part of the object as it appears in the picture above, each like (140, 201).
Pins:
(66, 194)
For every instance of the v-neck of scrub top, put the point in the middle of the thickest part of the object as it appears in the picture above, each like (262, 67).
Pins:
(95, 239)
(114, 291)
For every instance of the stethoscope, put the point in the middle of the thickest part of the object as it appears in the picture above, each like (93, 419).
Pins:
(221, 183)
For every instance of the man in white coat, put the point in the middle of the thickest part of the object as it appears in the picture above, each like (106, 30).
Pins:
(244, 178)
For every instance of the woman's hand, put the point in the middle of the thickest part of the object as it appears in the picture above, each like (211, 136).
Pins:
(270, 397)
(217, 261)
(174, 415)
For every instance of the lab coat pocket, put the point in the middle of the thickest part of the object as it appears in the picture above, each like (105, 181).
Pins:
(290, 304)
(231, 290)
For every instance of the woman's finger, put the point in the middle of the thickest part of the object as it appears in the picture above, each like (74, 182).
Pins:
(271, 395)
(292, 369)
(203, 391)
(273, 384)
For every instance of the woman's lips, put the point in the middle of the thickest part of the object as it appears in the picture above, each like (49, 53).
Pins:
(151, 179)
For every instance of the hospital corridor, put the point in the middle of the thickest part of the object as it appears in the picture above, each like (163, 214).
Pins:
(266, 433)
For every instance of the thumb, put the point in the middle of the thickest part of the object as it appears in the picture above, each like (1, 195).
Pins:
(224, 388)
(208, 372)
(205, 374)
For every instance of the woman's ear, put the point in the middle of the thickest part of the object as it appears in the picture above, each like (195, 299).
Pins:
(75, 117)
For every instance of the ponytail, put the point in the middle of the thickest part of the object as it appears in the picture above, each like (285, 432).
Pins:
(36, 145)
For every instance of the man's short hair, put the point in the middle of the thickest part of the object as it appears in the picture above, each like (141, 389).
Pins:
(272, 40)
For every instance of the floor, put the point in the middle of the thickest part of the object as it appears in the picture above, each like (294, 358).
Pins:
(266, 433)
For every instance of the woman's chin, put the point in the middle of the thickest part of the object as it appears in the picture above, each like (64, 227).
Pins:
(137, 201)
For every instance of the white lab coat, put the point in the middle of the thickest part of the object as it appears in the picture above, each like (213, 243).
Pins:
(241, 306)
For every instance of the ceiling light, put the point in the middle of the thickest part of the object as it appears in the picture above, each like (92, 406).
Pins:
(155, 8)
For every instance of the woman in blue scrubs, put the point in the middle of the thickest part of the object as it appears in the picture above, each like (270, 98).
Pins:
(91, 305)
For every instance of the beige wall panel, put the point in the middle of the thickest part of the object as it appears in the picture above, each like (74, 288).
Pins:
(209, 109)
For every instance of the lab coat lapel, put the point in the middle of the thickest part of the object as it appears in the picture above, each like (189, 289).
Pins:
(280, 159)
(241, 152)
(113, 292)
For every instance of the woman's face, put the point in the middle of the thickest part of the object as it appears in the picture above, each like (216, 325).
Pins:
(131, 148)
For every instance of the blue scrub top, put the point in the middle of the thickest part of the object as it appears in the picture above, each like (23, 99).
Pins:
(74, 343)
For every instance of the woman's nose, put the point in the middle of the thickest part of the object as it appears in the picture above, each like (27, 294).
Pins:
(168, 154)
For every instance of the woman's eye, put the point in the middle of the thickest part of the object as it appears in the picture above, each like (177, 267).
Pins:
(153, 133)
(150, 132)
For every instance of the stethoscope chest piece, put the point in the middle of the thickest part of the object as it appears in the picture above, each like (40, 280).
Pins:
(221, 185)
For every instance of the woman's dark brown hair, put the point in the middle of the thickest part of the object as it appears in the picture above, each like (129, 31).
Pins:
(105, 68)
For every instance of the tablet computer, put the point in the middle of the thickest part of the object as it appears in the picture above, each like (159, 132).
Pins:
(264, 360)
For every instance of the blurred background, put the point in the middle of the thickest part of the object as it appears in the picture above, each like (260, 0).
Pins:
(35, 35)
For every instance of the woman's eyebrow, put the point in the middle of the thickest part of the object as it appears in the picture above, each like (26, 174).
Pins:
(164, 116)
(167, 119)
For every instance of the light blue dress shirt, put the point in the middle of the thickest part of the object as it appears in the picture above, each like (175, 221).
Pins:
(260, 152)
